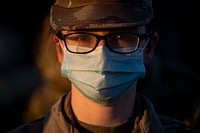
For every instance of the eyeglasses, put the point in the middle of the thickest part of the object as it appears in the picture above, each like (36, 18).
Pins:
(120, 42)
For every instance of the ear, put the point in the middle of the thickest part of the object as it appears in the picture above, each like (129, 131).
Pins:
(59, 50)
(149, 50)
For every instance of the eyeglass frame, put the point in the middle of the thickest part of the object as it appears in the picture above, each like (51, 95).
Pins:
(99, 38)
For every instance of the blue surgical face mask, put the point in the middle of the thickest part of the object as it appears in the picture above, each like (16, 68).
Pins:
(102, 75)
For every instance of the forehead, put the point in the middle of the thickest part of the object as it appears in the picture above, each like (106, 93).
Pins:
(139, 29)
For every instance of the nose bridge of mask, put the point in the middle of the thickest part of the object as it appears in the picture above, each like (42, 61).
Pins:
(102, 59)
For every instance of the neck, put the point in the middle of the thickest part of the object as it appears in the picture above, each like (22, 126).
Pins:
(93, 113)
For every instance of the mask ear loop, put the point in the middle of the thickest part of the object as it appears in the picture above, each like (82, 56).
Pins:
(146, 43)
(61, 45)
(141, 49)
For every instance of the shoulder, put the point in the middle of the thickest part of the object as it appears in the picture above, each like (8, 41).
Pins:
(173, 125)
(31, 127)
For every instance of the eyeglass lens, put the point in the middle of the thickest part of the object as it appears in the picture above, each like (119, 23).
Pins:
(119, 42)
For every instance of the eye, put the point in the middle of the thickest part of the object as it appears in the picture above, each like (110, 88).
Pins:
(121, 36)
(79, 37)
(83, 38)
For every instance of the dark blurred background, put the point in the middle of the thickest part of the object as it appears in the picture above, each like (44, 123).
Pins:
(20, 21)
(172, 82)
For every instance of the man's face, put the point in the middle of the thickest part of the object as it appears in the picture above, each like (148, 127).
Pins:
(102, 42)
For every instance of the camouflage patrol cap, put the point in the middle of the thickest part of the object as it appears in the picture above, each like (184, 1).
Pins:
(95, 14)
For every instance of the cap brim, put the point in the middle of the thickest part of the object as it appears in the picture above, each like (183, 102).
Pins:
(98, 16)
